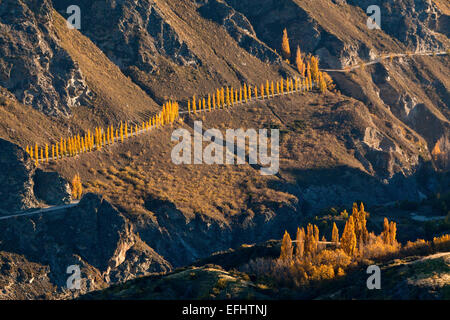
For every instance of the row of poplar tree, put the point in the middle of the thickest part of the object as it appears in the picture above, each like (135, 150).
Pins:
(101, 137)
(229, 96)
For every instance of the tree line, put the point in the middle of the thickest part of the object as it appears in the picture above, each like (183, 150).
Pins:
(101, 137)
(311, 258)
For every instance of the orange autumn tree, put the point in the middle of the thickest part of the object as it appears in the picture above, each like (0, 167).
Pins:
(348, 240)
(286, 247)
(360, 220)
(285, 49)
(335, 234)
(77, 188)
(300, 243)
(299, 62)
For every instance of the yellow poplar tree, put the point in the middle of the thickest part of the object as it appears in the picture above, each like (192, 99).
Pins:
(77, 188)
(36, 153)
(335, 234)
(285, 49)
(392, 232)
(286, 247)
(245, 92)
(348, 240)
(300, 243)
(299, 60)
(310, 240)
(308, 73)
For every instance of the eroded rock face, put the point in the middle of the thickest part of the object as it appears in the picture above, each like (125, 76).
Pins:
(93, 235)
(51, 188)
(16, 172)
(238, 26)
(135, 33)
(411, 22)
(32, 64)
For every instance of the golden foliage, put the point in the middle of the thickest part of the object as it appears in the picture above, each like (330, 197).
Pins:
(77, 188)
(285, 49)
(335, 234)
(348, 240)
(286, 247)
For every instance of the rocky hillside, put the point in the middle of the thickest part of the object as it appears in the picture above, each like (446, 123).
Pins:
(381, 137)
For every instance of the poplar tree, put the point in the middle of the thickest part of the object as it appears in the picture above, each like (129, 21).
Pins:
(285, 49)
(194, 105)
(310, 240)
(300, 243)
(222, 97)
(77, 188)
(348, 240)
(286, 247)
(392, 232)
(299, 60)
(36, 153)
(245, 93)
(315, 68)
(335, 234)
(308, 74)
(46, 153)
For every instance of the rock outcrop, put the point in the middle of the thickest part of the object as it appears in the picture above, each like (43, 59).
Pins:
(32, 64)
(16, 175)
(136, 33)
(93, 236)
(238, 26)
(51, 188)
